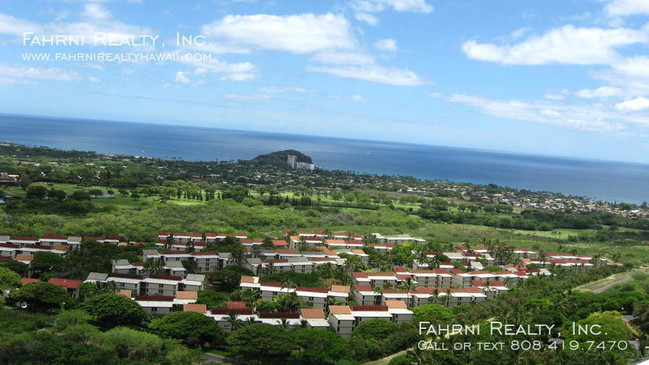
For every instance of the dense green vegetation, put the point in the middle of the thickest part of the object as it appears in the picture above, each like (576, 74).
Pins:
(86, 194)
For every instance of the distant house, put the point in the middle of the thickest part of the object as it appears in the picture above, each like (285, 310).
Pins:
(71, 286)
(5, 178)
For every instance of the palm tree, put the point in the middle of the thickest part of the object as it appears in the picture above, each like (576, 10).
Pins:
(447, 299)
(435, 295)
(284, 323)
(154, 266)
(249, 296)
(233, 321)
(408, 285)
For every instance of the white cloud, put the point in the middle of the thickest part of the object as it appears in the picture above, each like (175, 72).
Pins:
(15, 26)
(246, 97)
(94, 79)
(358, 98)
(374, 73)
(551, 96)
(631, 75)
(367, 18)
(600, 92)
(373, 6)
(344, 58)
(304, 33)
(242, 71)
(386, 45)
(583, 117)
(568, 45)
(96, 12)
(37, 73)
(282, 90)
(520, 32)
(627, 7)
(114, 30)
(633, 66)
(633, 105)
(181, 78)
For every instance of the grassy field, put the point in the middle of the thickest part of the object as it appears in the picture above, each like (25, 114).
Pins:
(608, 282)
(146, 215)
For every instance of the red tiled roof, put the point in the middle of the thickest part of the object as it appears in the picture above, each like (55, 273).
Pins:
(54, 236)
(198, 308)
(364, 287)
(67, 283)
(339, 309)
(235, 305)
(39, 247)
(370, 308)
(204, 253)
(191, 295)
(246, 311)
(279, 315)
(166, 277)
(314, 290)
(469, 289)
(270, 283)
(315, 313)
(154, 298)
(127, 276)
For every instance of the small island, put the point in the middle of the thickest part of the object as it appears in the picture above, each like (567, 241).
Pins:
(291, 158)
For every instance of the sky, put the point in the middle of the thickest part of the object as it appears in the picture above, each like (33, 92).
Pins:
(553, 77)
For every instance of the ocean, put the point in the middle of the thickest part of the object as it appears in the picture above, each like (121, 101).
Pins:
(601, 180)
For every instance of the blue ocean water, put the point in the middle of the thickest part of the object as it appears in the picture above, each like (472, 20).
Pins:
(602, 180)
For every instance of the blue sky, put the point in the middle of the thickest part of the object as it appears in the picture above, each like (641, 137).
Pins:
(554, 77)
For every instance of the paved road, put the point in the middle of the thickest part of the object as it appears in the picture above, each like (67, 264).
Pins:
(609, 286)
(216, 359)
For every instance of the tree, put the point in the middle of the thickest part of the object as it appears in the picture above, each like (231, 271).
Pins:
(9, 279)
(88, 290)
(375, 329)
(40, 296)
(80, 195)
(154, 266)
(321, 345)
(288, 302)
(131, 344)
(190, 266)
(111, 310)
(57, 194)
(230, 276)
(36, 192)
(96, 192)
(211, 298)
(233, 321)
(433, 313)
(70, 318)
(47, 262)
(641, 310)
(15, 266)
(194, 329)
(261, 339)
